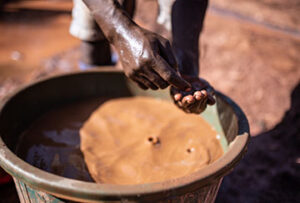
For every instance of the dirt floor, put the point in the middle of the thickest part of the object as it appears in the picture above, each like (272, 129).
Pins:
(249, 50)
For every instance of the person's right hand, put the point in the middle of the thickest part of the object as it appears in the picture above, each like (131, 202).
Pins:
(148, 60)
(196, 98)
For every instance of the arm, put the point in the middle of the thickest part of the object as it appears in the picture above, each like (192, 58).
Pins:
(187, 23)
(147, 58)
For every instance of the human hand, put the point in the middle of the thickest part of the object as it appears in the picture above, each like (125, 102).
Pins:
(148, 60)
(196, 98)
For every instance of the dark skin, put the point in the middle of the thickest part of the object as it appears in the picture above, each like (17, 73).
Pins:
(148, 58)
(186, 47)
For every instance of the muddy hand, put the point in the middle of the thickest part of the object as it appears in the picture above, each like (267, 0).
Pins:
(148, 60)
(146, 57)
(195, 99)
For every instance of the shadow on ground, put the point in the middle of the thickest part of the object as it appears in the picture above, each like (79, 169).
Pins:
(270, 170)
(29, 16)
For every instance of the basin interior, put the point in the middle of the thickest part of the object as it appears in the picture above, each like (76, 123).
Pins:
(32, 102)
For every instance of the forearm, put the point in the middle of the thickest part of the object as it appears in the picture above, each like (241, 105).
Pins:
(112, 19)
(187, 23)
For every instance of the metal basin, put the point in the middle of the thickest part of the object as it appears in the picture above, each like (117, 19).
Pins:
(20, 109)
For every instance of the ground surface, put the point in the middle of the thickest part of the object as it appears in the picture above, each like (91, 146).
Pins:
(249, 50)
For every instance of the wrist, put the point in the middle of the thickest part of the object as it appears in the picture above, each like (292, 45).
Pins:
(125, 32)
(188, 63)
(112, 19)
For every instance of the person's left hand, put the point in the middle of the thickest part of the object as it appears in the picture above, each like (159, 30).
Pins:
(196, 99)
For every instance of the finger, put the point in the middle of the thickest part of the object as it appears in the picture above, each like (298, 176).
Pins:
(177, 97)
(200, 103)
(190, 108)
(170, 75)
(174, 90)
(204, 93)
(147, 82)
(198, 95)
(203, 101)
(144, 81)
(203, 104)
(198, 109)
(179, 103)
(210, 92)
(167, 53)
(141, 85)
(189, 99)
(211, 100)
(156, 79)
(195, 108)
(188, 89)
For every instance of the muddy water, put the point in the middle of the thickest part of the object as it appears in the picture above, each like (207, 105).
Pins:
(52, 142)
(142, 140)
(124, 141)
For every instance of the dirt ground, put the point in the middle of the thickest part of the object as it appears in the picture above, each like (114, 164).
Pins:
(249, 50)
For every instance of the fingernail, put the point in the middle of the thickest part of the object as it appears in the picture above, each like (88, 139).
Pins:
(197, 93)
(188, 89)
(177, 97)
(189, 99)
(204, 92)
(198, 97)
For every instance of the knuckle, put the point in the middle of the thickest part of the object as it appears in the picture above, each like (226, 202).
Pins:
(168, 75)
(131, 73)
(155, 78)
(161, 83)
(164, 85)
(146, 61)
(137, 69)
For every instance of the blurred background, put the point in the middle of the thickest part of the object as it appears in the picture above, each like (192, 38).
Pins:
(250, 50)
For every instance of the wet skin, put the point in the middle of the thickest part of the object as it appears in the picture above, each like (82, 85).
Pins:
(149, 60)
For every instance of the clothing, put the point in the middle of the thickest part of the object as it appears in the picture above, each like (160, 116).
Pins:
(164, 16)
(84, 27)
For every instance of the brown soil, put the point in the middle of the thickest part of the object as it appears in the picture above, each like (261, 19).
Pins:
(283, 14)
(270, 170)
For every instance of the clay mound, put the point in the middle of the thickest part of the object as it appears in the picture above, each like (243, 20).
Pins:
(144, 140)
